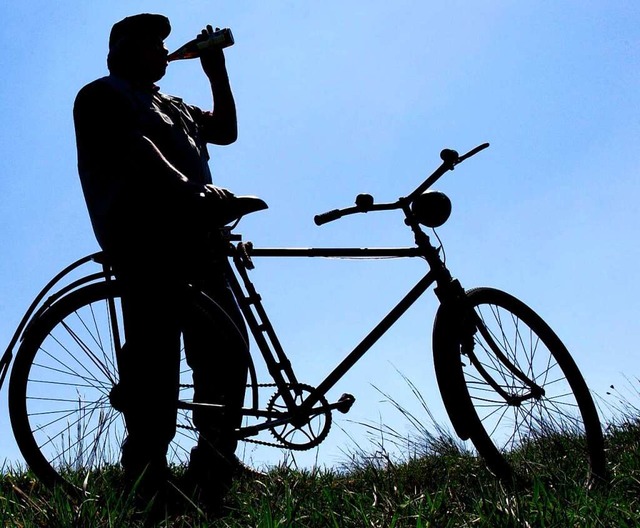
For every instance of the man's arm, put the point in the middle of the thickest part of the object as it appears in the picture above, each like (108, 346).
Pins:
(220, 126)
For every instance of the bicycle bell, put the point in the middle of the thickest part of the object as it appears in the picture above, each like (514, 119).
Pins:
(431, 208)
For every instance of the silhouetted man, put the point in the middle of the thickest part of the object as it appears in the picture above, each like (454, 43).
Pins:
(143, 165)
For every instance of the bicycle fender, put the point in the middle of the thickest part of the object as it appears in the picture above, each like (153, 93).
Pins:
(4, 366)
(448, 367)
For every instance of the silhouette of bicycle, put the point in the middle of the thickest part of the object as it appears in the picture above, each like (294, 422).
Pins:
(506, 379)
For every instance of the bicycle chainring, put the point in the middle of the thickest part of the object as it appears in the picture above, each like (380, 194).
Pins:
(305, 432)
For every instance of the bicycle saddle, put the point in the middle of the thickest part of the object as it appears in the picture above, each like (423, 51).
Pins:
(233, 209)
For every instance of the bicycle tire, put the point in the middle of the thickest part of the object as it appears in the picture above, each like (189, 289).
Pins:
(505, 433)
(59, 406)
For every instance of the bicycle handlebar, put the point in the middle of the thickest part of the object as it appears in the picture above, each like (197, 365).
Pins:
(473, 152)
(334, 214)
(364, 202)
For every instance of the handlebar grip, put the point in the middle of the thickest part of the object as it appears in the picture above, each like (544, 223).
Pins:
(329, 216)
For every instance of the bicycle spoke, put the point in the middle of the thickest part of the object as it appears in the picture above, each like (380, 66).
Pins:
(76, 443)
(104, 434)
(70, 371)
(88, 352)
(51, 439)
(64, 384)
(98, 339)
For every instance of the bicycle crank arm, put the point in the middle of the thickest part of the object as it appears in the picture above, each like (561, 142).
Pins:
(343, 405)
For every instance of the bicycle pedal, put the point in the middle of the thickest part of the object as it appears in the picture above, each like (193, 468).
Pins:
(345, 402)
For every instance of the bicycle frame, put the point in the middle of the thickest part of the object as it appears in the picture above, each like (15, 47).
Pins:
(275, 358)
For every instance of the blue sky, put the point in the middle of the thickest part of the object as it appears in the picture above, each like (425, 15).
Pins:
(336, 98)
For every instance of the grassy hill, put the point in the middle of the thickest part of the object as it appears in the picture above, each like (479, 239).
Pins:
(443, 487)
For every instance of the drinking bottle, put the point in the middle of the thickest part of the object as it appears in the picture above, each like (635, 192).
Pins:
(221, 38)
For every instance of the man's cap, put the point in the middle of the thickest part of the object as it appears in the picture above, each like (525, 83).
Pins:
(140, 26)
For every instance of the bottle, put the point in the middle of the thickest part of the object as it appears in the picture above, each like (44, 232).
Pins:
(221, 38)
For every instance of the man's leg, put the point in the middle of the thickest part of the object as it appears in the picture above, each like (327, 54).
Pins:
(220, 365)
(149, 380)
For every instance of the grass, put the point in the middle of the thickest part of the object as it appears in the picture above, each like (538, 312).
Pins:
(438, 483)
(445, 486)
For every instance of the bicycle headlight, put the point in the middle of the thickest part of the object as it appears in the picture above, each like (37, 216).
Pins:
(431, 208)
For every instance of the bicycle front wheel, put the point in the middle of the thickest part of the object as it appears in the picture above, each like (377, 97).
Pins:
(513, 388)
(59, 391)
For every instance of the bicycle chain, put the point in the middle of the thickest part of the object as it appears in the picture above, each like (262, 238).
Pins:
(263, 443)
(249, 386)
(249, 440)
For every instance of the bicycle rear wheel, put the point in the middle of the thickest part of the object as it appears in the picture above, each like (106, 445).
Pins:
(59, 405)
(513, 389)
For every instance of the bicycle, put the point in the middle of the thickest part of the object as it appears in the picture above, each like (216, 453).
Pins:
(506, 379)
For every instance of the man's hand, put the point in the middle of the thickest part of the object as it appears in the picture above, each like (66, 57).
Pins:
(211, 192)
(212, 59)
(218, 207)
